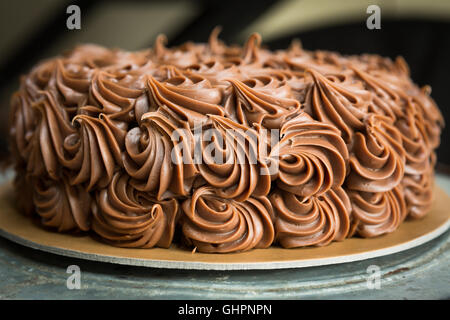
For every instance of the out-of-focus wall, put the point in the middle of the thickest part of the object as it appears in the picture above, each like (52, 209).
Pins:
(290, 16)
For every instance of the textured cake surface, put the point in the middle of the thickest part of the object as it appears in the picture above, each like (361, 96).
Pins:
(315, 146)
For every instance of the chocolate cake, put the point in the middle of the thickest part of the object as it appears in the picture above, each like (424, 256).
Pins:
(222, 148)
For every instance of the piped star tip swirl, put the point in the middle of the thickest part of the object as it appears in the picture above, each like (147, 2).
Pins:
(127, 217)
(217, 225)
(222, 148)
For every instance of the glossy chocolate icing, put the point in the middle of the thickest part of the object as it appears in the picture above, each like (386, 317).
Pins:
(91, 136)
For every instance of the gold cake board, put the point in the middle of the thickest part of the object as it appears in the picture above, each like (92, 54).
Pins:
(20, 229)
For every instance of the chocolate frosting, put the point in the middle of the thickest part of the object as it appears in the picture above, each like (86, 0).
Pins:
(377, 162)
(315, 220)
(234, 173)
(376, 213)
(214, 224)
(62, 205)
(127, 217)
(148, 156)
(105, 141)
(312, 157)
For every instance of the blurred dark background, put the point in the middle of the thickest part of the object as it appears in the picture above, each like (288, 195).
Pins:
(417, 30)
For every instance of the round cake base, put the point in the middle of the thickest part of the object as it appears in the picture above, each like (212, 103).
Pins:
(20, 229)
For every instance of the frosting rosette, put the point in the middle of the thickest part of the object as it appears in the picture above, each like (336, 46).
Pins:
(230, 160)
(61, 205)
(388, 96)
(251, 104)
(127, 217)
(72, 82)
(433, 118)
(45, 147)
(377, 213)
(312, 157)
(341, 105)
(418, 190)
(94, 151)
(109, 96)
(415, 141)
(377, 160)
(419, 162)
(22, 127)
(215, 225)
(87, 148)
(190, 98)
(312, 221)
(159, 156)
